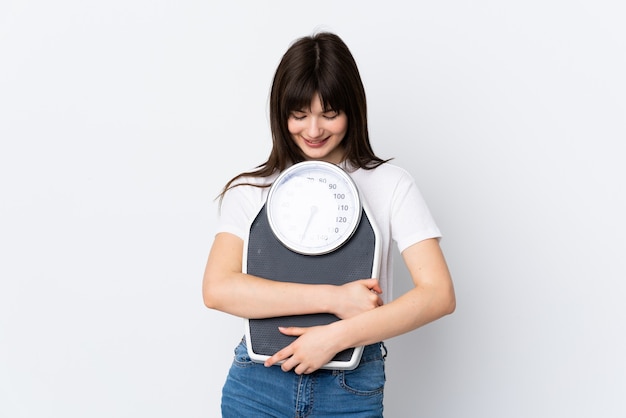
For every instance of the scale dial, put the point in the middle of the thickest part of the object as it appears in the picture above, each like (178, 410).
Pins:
(313, 207)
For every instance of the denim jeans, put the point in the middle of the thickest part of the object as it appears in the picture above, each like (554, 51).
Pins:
(253, 390)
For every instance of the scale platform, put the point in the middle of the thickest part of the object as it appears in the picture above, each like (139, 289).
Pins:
(265, 256)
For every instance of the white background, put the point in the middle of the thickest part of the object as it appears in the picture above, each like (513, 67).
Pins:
(121, 120)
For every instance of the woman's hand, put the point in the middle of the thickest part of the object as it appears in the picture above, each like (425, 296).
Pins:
(316, 346)
(312, 349)
(357, 297)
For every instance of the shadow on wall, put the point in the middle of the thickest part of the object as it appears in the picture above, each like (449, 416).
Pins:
(415, 362)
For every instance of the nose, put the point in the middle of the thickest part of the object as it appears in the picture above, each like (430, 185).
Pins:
(314, 129)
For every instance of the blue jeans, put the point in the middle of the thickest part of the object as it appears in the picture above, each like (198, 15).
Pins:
(253, 390)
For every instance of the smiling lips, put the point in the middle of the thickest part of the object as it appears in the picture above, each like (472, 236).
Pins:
(315, 144)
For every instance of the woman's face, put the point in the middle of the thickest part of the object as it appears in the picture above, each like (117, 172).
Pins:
(318, 133)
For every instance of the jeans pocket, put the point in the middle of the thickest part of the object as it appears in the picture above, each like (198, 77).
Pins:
(367, 379)
(241, 358)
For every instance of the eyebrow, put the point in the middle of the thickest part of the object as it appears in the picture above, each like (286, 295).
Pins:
(329, 110)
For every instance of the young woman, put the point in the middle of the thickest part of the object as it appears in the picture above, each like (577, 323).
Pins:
(318, 112)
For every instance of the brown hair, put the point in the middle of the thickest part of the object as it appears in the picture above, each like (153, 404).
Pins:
(319, 64)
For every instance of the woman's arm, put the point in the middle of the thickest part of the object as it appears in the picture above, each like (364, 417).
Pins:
(430, 299)
(227, 289)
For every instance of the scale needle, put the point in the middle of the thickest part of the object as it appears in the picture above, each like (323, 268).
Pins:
(308, 223)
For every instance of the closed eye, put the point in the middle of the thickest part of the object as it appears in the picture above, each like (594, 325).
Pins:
(331, 115)
(298, 115)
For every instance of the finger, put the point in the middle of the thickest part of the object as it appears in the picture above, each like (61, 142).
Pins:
(372, 284)
(375, 298)
(279, 356)
(376, 288)
(293, 331)
(289, 364)
(300, 369)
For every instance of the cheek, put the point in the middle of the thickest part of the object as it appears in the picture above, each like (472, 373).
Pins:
(292, 127)
(341, 125)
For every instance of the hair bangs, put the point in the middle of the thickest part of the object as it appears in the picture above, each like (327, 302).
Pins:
(300, 93)
(331, 96)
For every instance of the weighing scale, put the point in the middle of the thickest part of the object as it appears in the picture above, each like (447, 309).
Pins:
(314, 229)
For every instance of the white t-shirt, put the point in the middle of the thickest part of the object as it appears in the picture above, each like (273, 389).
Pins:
(390, 193)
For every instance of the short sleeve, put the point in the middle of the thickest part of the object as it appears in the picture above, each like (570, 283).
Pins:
(411, 220)
(238, 209)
